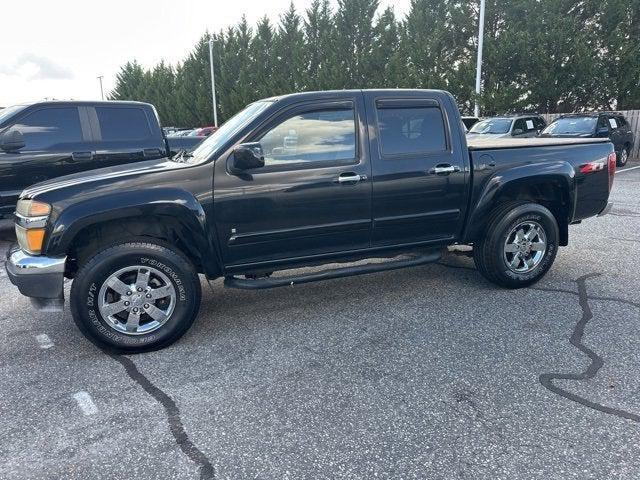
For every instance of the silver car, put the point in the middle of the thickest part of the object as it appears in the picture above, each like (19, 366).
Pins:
(521, 126)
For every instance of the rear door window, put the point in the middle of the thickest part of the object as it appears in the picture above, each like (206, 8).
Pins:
(50, 128)
(123, 124)
(411, 130)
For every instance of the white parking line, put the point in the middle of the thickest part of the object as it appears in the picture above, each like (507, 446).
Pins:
(627, 169)
(44, 341)
(85, 403)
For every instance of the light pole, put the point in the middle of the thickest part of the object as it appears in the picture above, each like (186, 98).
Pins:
(101, 90)
(213, 84)
(479, 62)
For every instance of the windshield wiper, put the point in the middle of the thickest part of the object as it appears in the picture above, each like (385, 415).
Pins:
(182, 156)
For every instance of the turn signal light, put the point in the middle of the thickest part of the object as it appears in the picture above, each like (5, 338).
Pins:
(30, 240)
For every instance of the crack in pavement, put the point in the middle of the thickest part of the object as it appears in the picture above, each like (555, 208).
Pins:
(207, 470)
(546, 379)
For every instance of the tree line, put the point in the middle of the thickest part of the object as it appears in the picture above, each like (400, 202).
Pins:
(547, 56)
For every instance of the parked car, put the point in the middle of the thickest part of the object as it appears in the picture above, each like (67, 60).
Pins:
(469, 121)
(202, 132)
(522, 126)
(300, 180)
(611, 125)
(182, 133)
(51, 139)
(205, 131)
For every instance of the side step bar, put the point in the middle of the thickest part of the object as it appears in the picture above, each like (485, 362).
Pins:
(270, 282)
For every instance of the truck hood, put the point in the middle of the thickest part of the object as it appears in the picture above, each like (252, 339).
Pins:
(101, 175)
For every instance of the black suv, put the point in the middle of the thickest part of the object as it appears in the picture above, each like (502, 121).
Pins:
(611, 125)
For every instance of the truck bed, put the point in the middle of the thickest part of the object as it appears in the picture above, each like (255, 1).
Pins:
(488, 143)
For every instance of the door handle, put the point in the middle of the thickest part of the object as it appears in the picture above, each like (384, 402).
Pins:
(350, 177)
(80, 156)
(442, 169)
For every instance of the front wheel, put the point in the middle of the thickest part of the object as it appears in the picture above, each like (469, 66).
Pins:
(135, 297)
(519, 247)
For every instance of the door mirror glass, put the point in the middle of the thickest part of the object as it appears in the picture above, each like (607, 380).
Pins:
(518, 131)
(603, 132)
(247, 156)
(12, 141)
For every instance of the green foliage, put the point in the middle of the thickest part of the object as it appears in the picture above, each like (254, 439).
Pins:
(539, 55)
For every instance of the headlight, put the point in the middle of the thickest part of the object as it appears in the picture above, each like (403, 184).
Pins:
(32, 208)
(31, 218)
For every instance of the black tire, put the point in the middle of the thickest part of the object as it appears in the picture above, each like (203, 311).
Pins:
(622, 157)
(173, 267)
(489, 252)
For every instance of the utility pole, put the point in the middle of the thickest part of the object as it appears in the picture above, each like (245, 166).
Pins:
(479, 62)
(101, 90)
(213, 84)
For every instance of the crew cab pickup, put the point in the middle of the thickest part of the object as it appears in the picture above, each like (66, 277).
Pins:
(45, 140)
(301, 180)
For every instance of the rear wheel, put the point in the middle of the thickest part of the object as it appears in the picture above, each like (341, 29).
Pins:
(520, 245)
(135, 297)
(622, 157)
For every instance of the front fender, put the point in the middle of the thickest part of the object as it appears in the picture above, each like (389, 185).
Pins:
(560, 174)
(179, 207)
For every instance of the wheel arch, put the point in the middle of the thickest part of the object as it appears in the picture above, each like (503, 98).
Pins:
(170, 219)
(550, 185)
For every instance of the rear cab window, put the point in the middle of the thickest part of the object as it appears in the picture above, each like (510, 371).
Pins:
(410, 127)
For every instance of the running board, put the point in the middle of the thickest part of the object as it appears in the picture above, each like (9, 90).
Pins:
(271, 282)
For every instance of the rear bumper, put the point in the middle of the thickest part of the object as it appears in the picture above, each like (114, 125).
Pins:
(38, 277)
(606, 209)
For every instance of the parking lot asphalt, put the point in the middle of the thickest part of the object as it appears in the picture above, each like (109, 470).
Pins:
(428, 372)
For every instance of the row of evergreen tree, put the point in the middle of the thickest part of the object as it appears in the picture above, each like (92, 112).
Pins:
(539, 55)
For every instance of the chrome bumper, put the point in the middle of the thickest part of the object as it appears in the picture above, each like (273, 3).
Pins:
(38, 277)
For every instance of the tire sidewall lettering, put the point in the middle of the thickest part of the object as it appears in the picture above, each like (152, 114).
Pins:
(100, 325)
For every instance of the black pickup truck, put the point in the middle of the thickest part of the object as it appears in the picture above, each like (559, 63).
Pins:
(301, 180)
(46, 140)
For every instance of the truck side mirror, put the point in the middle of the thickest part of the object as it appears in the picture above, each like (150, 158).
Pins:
(602, 132)
(12, 141)
(247, 156)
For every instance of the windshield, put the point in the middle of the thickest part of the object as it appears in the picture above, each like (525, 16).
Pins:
(230, 128)
(492, 125)
(5, 113)
(571, 126)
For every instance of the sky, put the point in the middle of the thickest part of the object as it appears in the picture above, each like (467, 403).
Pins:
(58, 48)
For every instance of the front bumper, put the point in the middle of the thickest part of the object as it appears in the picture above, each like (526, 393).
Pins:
(36, 276)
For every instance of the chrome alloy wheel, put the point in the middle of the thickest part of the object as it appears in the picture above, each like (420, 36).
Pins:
(525, 247)
(624, 156)
(137, 300)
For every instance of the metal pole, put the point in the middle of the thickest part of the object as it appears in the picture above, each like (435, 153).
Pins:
(479, 63)
(101, 90)
(213, 85)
